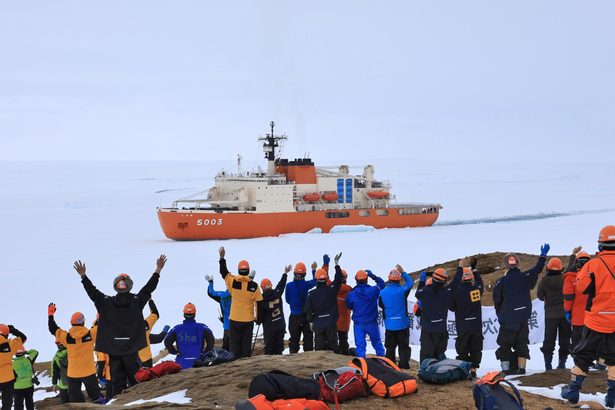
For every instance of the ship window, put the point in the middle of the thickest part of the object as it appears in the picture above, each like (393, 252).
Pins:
(337, 214)
(363, 213)
(382, 212)
(405, 211)
(182, 225)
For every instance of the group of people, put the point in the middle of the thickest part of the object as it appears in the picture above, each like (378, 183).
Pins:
(579, 307)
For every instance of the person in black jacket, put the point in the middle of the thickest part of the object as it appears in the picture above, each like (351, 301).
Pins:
(271, 314)
(121, 326)
(550, 290)
(321, 308)
(435, 300)
(513, 306)
(466, 303)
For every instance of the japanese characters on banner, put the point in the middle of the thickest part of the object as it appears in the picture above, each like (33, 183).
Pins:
(491, 326)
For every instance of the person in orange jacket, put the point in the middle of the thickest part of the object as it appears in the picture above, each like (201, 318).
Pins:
(8, 348)
(79, 342)
(597, 280)
(574, 298)
(343, 321)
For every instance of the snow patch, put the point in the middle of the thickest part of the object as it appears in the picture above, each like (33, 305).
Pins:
(178, 397)
(42, 395)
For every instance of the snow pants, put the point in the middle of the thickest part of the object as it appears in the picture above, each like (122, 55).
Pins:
(274, 340)
(24, 396)
(373, 331)
(297, 325)
(342, 341)
(240, 338)
(433, 345)
(511, 340)
(326, 339)
(592, 345)
(469, 346)
(7, 394)
(91, 387)
(577, 333)
(398, 339)
(225, 341)
(552, 328)
(123, 369)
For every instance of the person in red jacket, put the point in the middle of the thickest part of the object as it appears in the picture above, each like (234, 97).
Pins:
(343, 321)
(597, 280)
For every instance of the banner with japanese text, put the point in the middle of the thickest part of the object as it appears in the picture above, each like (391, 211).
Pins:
(491, 326)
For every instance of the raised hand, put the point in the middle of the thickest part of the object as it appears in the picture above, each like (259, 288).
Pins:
(288, 268)
(577, 250)
(160, 263)
(222, 252)
(423, 276)
(337, 258)
(209, 278)
(399, 268)
(80, 268)
(51, 309)
(314, 265)
(544, 249)
(325, 259)
(252, 274)
(464, 263)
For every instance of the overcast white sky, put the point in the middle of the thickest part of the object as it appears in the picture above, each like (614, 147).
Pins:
(524, 80)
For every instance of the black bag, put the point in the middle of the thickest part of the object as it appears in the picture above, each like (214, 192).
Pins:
(279, 385)
(489, 393)
(214, 357)
(444, 371)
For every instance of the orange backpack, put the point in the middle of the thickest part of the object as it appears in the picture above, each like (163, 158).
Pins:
(383, 377)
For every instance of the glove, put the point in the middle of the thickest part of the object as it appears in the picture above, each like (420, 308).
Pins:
(209, 278)
(423, 276)
(11, 329)
(568, 316)
(252, 274)
(325, 259)
(166, 329)
(370, 274)
(544, 249)
(51, 309)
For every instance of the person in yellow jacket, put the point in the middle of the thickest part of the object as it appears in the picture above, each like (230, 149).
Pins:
(245, 294)
(79, 342)
(103, 372)
(145, 354)
(8, 348)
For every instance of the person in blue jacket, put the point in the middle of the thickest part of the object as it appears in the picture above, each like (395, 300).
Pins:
(321, 308)
(363, 301)
(513, 306)
(466, 303)
(190, 339)
(435, 300)
(223, 298)
(394, 303)
(296, 295)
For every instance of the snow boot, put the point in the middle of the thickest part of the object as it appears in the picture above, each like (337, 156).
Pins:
(548, 362)
(572, 391)
(521, 370)
(609, 400)
(506, 367)
(562, 362)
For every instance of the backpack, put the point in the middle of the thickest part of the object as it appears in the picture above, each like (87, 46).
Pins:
(261, 403)
(383, 377)
(444, 371)
(145, 374)
(214, 357)
(341, 384)
(489, 394)
(280, 385)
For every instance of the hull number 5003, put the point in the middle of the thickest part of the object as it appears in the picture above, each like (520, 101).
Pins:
(206, 222)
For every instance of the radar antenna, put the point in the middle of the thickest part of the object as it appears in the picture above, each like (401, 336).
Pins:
(270, 143)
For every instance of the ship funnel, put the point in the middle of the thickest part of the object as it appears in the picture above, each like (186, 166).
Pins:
(368, 175)
(344, 169)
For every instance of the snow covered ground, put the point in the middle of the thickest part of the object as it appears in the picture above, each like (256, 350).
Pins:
(103, 213)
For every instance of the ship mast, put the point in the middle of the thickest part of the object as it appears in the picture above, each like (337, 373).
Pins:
(269, 145)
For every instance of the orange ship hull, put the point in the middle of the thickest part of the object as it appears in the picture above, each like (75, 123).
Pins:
(186, 225)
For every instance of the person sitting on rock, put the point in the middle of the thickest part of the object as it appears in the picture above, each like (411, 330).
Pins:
(189, 340)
